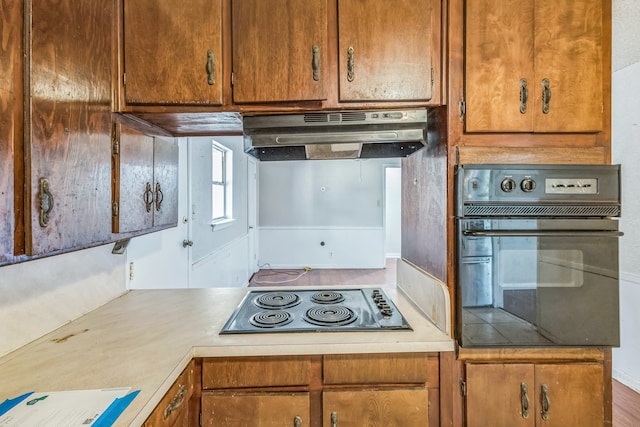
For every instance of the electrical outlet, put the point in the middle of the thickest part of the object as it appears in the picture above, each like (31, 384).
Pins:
(131, 271)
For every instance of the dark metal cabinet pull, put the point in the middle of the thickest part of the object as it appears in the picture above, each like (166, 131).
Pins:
(544, 402)
(159, 196)
(524, 96)
(334, 419)
(524, 400)
(175, 402)
(210, 68)
(315, 63)
(350, 64)
(46, 202)
(297, 421)
(148, 197)
(546, 95)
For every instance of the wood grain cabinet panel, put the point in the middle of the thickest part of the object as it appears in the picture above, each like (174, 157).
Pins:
(355, 408)
(173, 409)
(397, 368)
(277, 44)
(534, 66)
(384, 50)
(68, 143)
(173, 52)
(255, 409)
(242, 372)
(145, 181)
(526, 394)
(11, 89)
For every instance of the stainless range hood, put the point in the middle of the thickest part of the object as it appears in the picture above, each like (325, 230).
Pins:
(336, 135)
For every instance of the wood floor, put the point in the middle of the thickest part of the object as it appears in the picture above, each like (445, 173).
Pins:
(626, 406)
(327, 277)
(626, 402)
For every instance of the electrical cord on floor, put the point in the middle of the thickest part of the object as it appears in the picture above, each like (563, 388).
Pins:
(297, 274)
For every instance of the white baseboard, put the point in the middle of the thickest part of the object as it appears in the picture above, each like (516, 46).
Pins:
(626, 379)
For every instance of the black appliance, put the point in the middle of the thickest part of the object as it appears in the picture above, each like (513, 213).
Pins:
(329, 310)
(537, 255)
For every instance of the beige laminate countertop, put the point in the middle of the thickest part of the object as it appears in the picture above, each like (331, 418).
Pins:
(145, 338)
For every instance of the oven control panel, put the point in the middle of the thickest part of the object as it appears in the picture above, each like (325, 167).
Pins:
(492, 189)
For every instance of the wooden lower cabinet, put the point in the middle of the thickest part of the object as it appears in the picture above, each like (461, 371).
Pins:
(173, 409)
(255, 409)
(389, 389)
(382, 407)
(530, 394)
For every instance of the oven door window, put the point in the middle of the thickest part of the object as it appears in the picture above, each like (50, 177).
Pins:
(537, 287)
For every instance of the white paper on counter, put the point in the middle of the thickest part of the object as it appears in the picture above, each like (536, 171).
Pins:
(61, 408)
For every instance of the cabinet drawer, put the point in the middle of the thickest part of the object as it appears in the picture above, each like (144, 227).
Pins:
(398, 368)
(173, 408)
(354, 408)
(240, 372)
(255, 409)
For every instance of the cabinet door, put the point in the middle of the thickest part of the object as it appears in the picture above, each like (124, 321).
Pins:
(133, 181)
(165, 186)
(10, 119)
(569, 395)
(384, 50)
(568, 53)
(497, 397)
(255, 410)
(173, 55)
(498, 57)
(68, 148)
(355, 408)
(277, 44)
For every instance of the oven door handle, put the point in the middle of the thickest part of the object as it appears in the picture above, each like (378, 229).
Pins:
(541, 233)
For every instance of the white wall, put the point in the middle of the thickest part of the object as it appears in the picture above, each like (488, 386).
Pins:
(340, 203)
(393, 212)
(626, 137)
(39, 296)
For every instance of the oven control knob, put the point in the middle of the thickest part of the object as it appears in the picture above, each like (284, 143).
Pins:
(528, 185)
(508, 185)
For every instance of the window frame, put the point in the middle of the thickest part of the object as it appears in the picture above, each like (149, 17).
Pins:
(226, 163)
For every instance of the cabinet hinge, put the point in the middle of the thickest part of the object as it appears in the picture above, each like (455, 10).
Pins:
(232, 79)
(463, 388)
(115, 146)
(462, 108)
(124, 79)
(115, 210)
(200, 419)
(432, 78)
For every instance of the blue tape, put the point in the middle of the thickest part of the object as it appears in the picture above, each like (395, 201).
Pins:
(114, 410)
(10, 403)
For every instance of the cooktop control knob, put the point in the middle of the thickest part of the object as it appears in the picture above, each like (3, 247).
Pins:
(528, 185)
(508, 185)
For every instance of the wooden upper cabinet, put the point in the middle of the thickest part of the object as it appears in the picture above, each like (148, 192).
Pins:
(68, 145)
(384, 50)
(279, 50)
(145, 180)
(11, 90)
(534, 66)
(173, 52)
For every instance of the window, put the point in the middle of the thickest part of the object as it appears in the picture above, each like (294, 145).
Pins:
(221, 177)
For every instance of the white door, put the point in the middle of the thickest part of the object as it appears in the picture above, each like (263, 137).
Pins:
(160, 260)
(252, 214)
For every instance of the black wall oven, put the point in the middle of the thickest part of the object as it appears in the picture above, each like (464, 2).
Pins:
(537, 255)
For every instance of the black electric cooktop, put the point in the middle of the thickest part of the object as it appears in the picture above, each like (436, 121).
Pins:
(316, 310)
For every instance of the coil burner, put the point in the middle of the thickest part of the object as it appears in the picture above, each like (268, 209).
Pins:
(330, 315)
(315, 310)
(271, 319)
(327, 297)
(277, 300)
